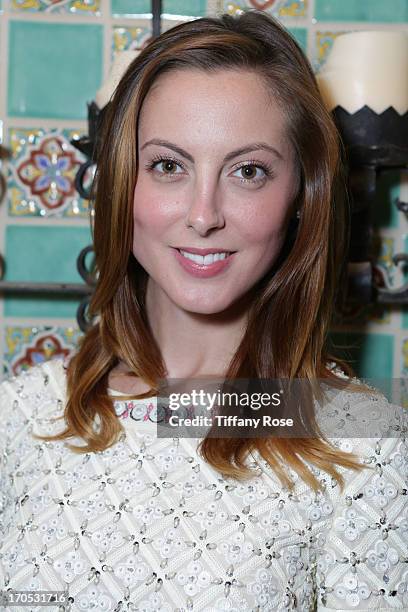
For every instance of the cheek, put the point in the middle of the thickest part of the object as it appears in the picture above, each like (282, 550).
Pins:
(264, 220)
(150, 212)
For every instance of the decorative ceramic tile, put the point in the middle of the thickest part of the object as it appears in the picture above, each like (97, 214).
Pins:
(79, 7)
(135, 37)
(280, 8)
(371, 355)
(42, 174)
(404, 371)
(404, 308)
(405, 357)
(54, 79)
(301, 36)
(384, 210)
(403, 395)
(43, 254)
(174, 8)
(28, 346)
(181, 8)
(131, 8)
(362, 10)
(323, 43)
(383, 252)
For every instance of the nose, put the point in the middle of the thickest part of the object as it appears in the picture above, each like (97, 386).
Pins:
(205, 212)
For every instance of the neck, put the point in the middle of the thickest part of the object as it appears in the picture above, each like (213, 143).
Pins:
(194, 344)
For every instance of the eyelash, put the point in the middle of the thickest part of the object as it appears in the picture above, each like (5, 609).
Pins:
(265, 167)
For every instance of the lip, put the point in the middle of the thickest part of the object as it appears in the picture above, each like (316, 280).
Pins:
(197, 251)
(199, 271)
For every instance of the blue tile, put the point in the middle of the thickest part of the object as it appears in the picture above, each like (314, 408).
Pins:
(43, 254)
(54, 68)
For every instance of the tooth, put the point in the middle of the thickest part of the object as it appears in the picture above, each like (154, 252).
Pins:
(205, 260)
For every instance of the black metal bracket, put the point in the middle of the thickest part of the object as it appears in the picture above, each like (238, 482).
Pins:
(64, 289)
(373, 142)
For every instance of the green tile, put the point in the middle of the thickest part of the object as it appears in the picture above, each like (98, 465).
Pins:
(362, 10)
(54, 68)
(370, 355)
(404, 307)
(195, 8)
(301, 36)
(384, 211)
(130, 7)
(43, 254)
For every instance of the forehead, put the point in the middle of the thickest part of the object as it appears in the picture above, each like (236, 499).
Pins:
(200, 105)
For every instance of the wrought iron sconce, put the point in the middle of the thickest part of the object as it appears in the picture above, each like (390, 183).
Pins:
(373, 142)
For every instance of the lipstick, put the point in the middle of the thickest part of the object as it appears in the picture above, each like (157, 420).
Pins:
(200, 270)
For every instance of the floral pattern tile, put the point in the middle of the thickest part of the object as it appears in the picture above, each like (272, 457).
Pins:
(280, 8)
(384, 274)
(126, 38)
(384, 250)
(30, 345)
(78, 7)
(42, 174)
(323, 43)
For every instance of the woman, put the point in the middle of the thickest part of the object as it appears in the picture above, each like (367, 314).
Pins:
(216, 140)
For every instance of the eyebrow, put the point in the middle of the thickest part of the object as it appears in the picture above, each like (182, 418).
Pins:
(254, 146)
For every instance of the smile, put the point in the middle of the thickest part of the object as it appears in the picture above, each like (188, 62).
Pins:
(204, 266)
(205, 260)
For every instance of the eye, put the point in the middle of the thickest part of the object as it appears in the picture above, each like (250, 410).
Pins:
(167, 166)
(254, 172)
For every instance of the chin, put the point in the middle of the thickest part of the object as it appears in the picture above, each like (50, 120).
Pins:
(203, 309)
(200, 306)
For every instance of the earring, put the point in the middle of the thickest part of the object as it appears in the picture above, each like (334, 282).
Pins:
(298, 214)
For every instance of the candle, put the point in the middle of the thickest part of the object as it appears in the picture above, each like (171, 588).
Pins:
(366, 68)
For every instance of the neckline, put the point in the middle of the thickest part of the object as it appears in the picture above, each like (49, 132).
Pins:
(119, 394)
(115, 392)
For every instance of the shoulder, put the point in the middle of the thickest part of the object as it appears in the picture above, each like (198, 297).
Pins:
(362, 412)
(369, 529)
(34, 395)
(45, 376)
(370, 427)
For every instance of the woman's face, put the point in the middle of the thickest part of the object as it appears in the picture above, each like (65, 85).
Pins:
(216, 171)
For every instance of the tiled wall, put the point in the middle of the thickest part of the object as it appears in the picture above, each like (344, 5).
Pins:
(54, 56)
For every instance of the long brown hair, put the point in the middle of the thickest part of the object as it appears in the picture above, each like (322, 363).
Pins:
(290, 314)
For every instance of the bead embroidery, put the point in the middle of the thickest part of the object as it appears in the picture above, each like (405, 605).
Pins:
(147, 525)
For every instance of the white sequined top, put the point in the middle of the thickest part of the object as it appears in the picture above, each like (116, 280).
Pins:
(148, 525)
